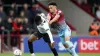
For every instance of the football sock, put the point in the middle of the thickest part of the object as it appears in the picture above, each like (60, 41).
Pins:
(30, 47)
(71, 48)
(54, 51)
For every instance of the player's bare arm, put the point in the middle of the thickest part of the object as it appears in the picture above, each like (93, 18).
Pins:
(48, 17)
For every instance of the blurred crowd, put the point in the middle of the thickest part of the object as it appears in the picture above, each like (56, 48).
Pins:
(94, 29)
(18, 20)
(93, 5)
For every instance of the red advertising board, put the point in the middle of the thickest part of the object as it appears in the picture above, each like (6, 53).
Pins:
(89, 45)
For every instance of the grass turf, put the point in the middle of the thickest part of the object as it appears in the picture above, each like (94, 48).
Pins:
(50, 54)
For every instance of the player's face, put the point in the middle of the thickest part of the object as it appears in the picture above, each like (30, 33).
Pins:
(52, 8)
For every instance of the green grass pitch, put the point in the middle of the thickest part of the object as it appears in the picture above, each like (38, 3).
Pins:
(50, 54)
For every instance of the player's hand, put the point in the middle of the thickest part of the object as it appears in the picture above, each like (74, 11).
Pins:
(52, 44)
(50, 22)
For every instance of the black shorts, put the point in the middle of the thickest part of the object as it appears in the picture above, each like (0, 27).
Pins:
(45, 36)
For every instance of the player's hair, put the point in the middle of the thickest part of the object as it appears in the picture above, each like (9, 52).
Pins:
(52, 3)
(37, 20)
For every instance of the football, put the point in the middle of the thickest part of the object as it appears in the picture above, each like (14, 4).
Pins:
(17, 52)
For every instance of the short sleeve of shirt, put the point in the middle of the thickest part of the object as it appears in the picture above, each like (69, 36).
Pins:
(59, 12)
(49, 14)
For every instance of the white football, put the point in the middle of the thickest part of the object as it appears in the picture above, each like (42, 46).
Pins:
(17, 52)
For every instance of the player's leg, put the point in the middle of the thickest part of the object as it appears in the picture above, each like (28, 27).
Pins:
(51, 44)
(64, 44)
(30, 45)
(68, 44)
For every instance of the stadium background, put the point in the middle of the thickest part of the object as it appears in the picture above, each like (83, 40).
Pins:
(78, 20)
